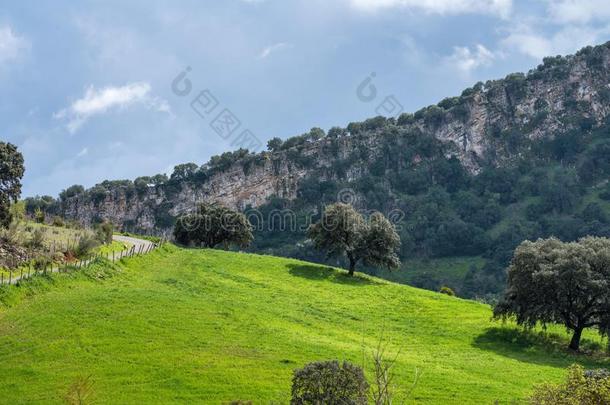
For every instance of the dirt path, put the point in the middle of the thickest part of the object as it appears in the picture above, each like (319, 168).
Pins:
(138, 247)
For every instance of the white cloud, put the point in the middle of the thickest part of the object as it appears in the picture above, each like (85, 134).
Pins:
(116, 145)
(568, 39)
(500, 8)
(466, 60)
(99, 101)
(273, 48)
(11, 45)
(579, 11)
(83, 152)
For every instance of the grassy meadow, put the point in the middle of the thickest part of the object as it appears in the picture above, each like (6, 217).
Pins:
(207, 326)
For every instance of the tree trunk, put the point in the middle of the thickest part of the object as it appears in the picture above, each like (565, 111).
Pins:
(352, 266)
(575, 342)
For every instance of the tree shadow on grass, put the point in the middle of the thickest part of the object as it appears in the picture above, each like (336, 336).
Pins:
(321, 273)
(539, 347)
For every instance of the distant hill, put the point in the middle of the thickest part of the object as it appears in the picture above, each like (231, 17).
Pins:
(519, 158)
(204, 326)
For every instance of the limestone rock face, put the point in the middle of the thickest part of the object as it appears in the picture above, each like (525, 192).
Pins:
(537, 105)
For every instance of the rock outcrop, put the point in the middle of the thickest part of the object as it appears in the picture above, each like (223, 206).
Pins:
(561, 94)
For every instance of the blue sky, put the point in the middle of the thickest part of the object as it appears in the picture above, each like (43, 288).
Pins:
(87, 87)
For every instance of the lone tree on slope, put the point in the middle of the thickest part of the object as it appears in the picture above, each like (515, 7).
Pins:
(213, 225)
(343, 231)
(11, 172)
(550, 281)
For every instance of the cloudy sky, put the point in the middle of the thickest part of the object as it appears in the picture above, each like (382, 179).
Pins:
(87, 89)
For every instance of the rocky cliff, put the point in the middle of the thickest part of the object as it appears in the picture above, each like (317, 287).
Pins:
(481, 126)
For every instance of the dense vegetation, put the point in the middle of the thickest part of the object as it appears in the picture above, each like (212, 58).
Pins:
(212, 225)
(555, 187)
(11, 172)
(580, 387)
(525, 187)
(187, 325)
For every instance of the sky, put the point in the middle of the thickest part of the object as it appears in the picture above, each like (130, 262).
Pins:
(96, 90)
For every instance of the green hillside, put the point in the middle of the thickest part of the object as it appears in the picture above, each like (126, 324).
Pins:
(204, 326)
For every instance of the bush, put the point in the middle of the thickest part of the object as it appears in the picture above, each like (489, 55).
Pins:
(37, 240)
(104, 232)
(39, 216)
(599, 373)
(85, 246)
(58, 221)
(580, 387)
(447, 291)
(329, 382)
(42, 262)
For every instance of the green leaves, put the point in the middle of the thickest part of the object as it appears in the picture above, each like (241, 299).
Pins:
(344, 231)
(213, 225)
(567, 283)
(11, 172)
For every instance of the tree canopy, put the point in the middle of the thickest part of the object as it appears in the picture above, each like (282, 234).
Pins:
(212, 225)
(344, 231)
(11, 172)
(550, 281)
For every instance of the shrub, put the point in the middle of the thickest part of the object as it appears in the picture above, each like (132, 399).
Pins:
(58, 221)
(405, 119)
(580, 387)
(39, 216)
(37, 240)
(42, 262)
(599, 373)
(447, 291)
(329, 382)
(85, 246)
(104, 232)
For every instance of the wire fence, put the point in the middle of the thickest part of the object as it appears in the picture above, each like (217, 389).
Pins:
(142, 247)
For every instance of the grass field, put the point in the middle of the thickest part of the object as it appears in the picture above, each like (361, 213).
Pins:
(203, 326)
(448, 271)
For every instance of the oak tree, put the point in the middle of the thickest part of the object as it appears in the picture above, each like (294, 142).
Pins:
(342, 231)
(212, 225)
(550, 281)
(11, 172)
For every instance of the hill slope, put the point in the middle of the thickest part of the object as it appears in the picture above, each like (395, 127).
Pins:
(210, 326)
(522, 157)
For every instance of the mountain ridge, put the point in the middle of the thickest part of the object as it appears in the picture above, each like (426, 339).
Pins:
(518, 158)
(464, 123)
